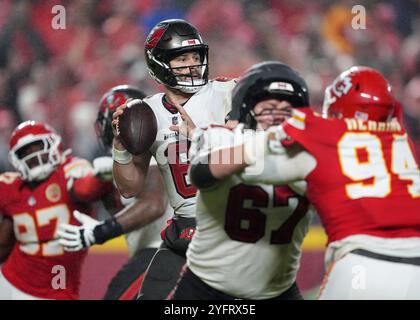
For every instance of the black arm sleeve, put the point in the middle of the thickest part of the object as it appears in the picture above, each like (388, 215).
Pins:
(107, 230)
(201, 175)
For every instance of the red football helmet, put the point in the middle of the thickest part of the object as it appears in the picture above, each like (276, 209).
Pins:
(361, 93)
(35, 150)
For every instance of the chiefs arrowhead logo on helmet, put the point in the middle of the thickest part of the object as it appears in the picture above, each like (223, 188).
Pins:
(341, 86)
(359, 92)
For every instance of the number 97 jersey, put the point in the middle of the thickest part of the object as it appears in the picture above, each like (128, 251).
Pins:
(366, 179)
(36, 211)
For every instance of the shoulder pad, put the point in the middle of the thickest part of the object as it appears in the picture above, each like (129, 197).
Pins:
(9, 177)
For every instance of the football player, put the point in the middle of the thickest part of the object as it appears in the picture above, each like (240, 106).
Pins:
(240, 223)
(143, 217)
(362, 178)
(48, 186)
(176, 57)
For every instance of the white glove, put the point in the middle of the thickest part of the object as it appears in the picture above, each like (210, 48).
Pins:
(76, 238)
(102, 168)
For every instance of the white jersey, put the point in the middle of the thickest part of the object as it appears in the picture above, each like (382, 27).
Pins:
(171, 151)
(249, 235)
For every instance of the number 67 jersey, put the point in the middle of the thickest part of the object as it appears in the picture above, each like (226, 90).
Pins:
(249, 235)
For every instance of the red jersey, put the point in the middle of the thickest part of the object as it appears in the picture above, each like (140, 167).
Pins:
(366, 179)
(37, 258)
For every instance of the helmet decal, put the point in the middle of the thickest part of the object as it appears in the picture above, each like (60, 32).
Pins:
(154, 37)
(341, 86)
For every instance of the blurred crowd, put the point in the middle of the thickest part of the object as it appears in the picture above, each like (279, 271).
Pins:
(58, 75)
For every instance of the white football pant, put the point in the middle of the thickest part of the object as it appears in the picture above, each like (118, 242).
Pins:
(357, 277)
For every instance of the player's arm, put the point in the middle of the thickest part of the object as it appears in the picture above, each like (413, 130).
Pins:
(149, 205)
(84, 184)
(130, 177)
(275, 162)
(208, 169)
(259, 158)
(214, 156)
(7, 238)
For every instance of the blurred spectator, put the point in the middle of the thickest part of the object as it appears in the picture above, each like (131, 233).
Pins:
(412, 111)
(58, 76)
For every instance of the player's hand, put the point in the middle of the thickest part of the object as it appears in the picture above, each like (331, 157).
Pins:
(187, 126)
(102, 168)
(274, 137)
(76, 238)
(115, 117)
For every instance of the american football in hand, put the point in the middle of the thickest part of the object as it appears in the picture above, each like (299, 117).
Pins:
(137, 127)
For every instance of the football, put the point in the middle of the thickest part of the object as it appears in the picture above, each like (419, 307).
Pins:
(137, 127)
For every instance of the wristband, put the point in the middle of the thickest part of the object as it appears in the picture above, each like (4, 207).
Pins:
(121, 156)
(107, 230)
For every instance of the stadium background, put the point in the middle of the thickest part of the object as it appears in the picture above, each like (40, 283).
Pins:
(58, 75)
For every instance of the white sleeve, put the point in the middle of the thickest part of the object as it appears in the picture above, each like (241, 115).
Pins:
(282, 167)
(204, 141)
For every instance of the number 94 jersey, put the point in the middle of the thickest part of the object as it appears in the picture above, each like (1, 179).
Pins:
(171, 151)
(366, 179)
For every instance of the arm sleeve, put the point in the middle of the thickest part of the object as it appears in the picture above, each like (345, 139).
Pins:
(278, 164)
(201, 175)
(204, 142)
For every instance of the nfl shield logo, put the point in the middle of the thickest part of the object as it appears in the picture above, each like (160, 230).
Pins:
(174, 121)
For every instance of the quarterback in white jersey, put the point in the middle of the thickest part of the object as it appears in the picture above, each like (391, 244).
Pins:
(249, 235)
(170, 149)
(176, 57)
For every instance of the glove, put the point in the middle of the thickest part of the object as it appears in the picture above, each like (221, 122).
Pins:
(102, 168)
(76, 238)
